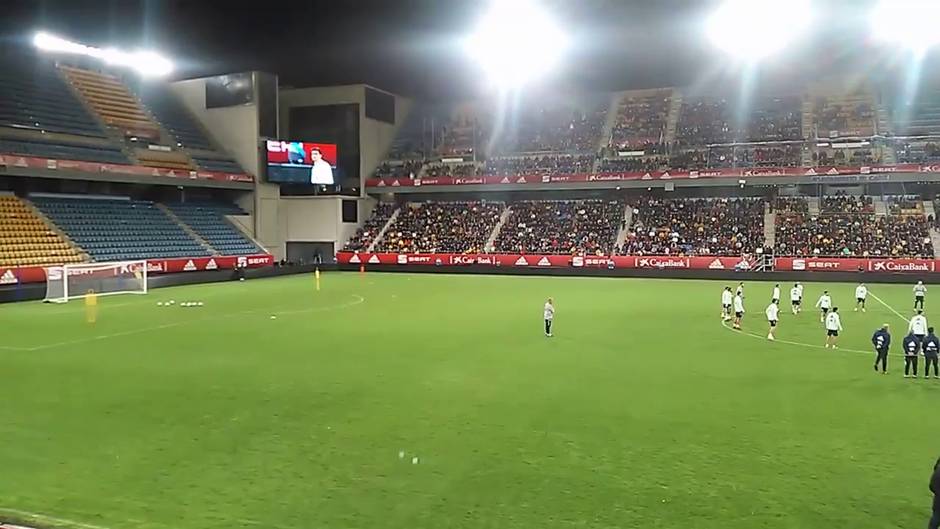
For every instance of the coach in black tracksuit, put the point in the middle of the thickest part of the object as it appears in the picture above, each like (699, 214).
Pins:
(931, 349)
(935, 488)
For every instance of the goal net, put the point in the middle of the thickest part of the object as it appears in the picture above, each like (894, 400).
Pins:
(75, 281)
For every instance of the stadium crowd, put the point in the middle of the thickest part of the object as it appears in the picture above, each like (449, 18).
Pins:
(447, 227)
(848, 227)
(573, 227)
(370, 229)
(696, 227)
(545, 164)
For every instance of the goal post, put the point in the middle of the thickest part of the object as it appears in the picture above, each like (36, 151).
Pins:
(76, 281)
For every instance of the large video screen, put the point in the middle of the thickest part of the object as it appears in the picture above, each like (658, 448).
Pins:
(300, 162)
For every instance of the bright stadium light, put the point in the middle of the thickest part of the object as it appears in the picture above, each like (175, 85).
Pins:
(755, 29)
(516, 42)
(909, 23)
(146, 63)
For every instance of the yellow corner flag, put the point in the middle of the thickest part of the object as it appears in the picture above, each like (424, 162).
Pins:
(317, 275)
(91, 307)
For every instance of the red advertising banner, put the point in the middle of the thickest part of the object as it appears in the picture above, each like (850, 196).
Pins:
(13, 160)
(37, 274)
(661, 262)
(654, 175)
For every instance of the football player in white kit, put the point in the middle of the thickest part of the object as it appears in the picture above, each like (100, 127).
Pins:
(833, 326)
(772, 312)
(738, 310)
(549, 313)
(824, 304)
(861, 292)
(796, 298)
(726, 300)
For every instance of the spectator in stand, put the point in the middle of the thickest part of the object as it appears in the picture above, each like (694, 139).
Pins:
(633, 164)
(371, 228)
(848, 227)
(399, 169)
(450, 170)
(576, 227)
(532, 165)
(641, 123)
(560, 126)
(442, 227)
(729, 227)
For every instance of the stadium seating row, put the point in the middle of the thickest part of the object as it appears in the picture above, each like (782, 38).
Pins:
(846, 226)
(47, 101)
(660, 129)
(26, 240)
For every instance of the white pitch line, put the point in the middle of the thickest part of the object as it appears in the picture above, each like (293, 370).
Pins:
(889, 307)
(44, 519)
(359, 300)
(799, 344)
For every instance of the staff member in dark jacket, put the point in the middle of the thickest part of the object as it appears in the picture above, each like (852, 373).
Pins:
(935, 488)
(882, 342)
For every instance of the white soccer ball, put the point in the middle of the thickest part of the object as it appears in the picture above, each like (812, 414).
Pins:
(273, 317)
(172, 302)
(198, 303)
(414, 460)
(159, 303)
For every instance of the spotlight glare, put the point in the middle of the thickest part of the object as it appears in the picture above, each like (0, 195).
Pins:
(909, 23)
(516, 42)
(146, 63)
(754, 29)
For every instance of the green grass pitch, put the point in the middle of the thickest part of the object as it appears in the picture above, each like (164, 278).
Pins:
(643, 410)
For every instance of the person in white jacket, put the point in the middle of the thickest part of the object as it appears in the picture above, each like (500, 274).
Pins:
(918, 326)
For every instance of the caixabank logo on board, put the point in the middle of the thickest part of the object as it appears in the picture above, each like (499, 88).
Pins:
(900, 266)
(662, 262)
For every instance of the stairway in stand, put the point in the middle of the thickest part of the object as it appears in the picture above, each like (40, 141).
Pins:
(491, 241)
(381, 234)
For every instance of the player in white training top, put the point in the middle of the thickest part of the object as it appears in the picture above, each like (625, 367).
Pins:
(833, 326)
(920, 292)
(549, 314)
(775, 297)
(726, 300)
(738, 310)
(918, 326)
(772, 311)
(796, 299)
(824, 304)
(861, 292)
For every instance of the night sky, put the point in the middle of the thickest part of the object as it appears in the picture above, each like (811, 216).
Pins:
(411, 46)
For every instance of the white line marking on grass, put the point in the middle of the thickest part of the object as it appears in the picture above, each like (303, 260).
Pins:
(889, 307)
(358, 301)
(799, 344)
(43, 519)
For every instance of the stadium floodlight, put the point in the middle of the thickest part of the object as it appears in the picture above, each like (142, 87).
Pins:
(755, 29)
(146, 63)
(516, 42)
(909, 23)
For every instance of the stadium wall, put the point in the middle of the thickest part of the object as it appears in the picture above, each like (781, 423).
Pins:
(319, 219)
(237, 129)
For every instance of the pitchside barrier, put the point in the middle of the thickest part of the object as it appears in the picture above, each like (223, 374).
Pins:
(662, 262)
(37, 274)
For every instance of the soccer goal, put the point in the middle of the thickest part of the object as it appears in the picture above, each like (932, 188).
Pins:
(76, 281)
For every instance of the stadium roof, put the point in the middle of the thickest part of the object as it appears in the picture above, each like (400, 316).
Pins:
(410, 46)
